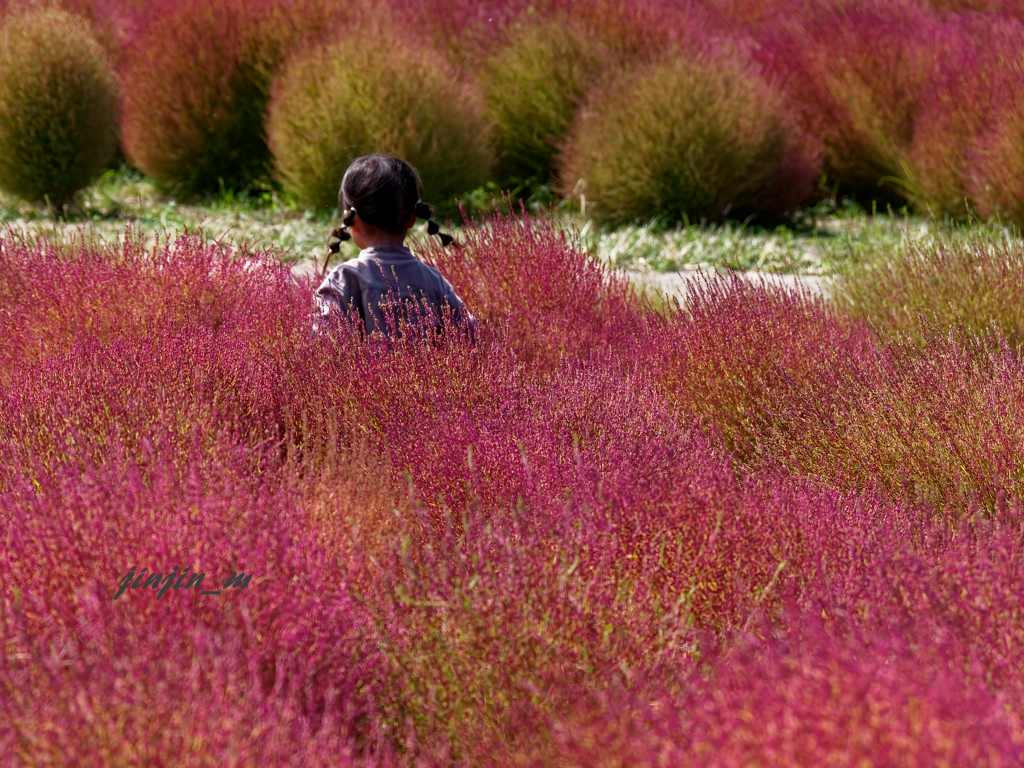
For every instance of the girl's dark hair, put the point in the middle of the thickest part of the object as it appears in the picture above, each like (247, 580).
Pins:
(385, 192)
(383, 189)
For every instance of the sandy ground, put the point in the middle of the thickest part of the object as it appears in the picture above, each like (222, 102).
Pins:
(670, 283)
(678, 283)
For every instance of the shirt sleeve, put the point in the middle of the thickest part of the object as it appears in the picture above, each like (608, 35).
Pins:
(338, 296)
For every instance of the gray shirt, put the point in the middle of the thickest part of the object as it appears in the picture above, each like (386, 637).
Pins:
(385, 286)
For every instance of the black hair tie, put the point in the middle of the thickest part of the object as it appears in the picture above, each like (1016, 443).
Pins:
(340, 235)
(423, 211)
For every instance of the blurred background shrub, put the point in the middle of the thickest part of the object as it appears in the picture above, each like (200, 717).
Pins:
(912, 102)
(58, 105)
(854, 76)
(197, 81)
(111, 20)
(373, 94)
(963, 156)
(974, 90)
(534, 84)
(699, 136)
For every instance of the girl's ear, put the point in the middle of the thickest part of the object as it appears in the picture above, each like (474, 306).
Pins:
(411, 222)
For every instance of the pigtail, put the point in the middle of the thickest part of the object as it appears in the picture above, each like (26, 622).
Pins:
(340, 235)
(423, 211)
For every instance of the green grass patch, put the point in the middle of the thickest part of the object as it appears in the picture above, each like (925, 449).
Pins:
(832, 238)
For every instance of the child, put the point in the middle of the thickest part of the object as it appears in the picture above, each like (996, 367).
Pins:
(386, 285)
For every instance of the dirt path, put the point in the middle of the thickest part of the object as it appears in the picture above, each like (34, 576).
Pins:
(678, 283)
(669, 283)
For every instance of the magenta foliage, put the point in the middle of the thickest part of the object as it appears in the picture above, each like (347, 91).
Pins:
(136, 438)
(805, 697)
(791, 384)
(916, 658)
(638, 29)
(856, 74)
(148, 677)
(969, 97)
(528, 274)
(735, 343)
(597, 531)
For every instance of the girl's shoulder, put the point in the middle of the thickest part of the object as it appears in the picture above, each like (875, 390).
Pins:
(348, 275)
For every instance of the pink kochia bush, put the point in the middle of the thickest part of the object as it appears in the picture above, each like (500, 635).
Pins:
(791, 383)
(196, 81)
(855, 74)
(962, 160)
(541, 548)
(263, 673)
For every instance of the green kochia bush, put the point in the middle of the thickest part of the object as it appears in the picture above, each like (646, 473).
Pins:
(58, 102)
(355, 97)
(533, 86)
(693, 137)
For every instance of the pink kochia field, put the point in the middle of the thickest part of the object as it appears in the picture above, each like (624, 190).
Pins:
(750, 530)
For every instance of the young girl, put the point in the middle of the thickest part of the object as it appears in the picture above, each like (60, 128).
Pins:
(386, 286)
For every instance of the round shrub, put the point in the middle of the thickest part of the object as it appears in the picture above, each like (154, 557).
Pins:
(197, 82)
(993, 170)
(855, 77)
(58, 106)
(965, 159)
(110, 20)
(360, 96)
(533, 86)
(695, 137)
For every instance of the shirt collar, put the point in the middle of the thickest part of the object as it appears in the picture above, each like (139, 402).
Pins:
(388, 251)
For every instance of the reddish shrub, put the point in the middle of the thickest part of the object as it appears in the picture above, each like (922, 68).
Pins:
(149, 675)
(942, 423)
(789, 385)
(736, 342)
(760, 15)
(557, 301)
(856, 76)
(971, 6)
(513, 552)
(962, 156)
(634, 30)
(643, 31)
(197, 81)
(800, 698)
(136, 290)
(991, 125)
(973, 285)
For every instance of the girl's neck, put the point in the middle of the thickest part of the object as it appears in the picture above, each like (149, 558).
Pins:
(368, 236)
(385, 241)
